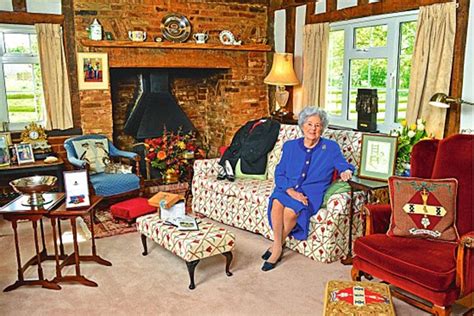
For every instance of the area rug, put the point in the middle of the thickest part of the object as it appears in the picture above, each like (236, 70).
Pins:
(106, 225)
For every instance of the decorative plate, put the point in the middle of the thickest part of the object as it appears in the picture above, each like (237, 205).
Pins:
(226, 37)
(175, 27)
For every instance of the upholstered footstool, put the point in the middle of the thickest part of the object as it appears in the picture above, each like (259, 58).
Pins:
(191, 246)
(129, 210)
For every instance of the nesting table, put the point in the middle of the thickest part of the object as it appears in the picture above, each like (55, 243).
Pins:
(55, 211)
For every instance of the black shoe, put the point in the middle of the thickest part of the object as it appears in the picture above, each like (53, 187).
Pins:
(268, 253)
(229, 171)
(267, 266)
(221, 175)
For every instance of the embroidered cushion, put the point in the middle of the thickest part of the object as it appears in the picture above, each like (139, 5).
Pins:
(423, 208)
(94, 151)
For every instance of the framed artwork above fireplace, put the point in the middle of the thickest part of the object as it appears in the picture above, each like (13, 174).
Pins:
(93, 71)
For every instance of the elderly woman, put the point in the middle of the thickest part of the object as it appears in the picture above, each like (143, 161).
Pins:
(301, 178)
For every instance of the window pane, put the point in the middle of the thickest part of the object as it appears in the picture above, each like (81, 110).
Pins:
(34, 44)
(335, 76)
(18, 77)
(17, 43)
(407, 44)
(22, 107)
(371, 36)
(369, 74)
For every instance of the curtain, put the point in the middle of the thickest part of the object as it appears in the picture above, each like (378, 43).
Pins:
(431, 65)
(315, 63)
(55, 76)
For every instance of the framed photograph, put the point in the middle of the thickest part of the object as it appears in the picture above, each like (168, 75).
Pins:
(24, 153)
(93, 71)
(76, 186)
(5, 141)
(378, 157)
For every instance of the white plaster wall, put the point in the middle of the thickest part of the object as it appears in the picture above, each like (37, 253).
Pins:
(6, 5)
(279, 31)
(467, 111)
(43, 6)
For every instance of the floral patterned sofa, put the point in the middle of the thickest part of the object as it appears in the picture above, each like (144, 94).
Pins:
(243, 203)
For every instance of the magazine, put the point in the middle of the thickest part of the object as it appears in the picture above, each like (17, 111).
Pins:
(183, 222)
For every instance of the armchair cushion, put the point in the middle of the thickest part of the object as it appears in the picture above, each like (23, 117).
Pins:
(106, 184)
(93, 151)
(423, 208)
(435, 269)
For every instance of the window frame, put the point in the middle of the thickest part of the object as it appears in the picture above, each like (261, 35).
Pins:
(28, 59)
(391, 52)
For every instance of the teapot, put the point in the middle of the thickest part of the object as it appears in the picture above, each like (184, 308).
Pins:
(137, 36)
(200, 38)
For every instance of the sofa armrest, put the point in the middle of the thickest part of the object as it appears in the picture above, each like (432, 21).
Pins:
(206, 167)
(377, 218)
(340, 202)
(77, 163)
(464, 264)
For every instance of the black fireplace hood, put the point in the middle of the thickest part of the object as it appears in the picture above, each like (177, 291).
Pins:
(156, 109)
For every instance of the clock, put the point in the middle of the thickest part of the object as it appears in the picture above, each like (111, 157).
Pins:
(33, 134)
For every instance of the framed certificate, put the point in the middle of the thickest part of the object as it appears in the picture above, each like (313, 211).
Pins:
(77, 188)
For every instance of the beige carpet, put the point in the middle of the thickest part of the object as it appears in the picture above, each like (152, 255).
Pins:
(158, 283)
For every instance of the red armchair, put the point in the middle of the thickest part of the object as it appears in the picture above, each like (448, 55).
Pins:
(437, 272)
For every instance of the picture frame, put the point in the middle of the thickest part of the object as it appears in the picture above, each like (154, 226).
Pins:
(93, 71)
(5, 142)
(76, 185)
(24, 153)
(378, 156)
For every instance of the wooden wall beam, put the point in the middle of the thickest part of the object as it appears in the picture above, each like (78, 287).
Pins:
(366, 9)
(19, 5)
(284, 4)
(290, 45)
(30, 18)
(453, 118)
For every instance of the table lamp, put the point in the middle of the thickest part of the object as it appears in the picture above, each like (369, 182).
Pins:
(441, 100)
(282, 74)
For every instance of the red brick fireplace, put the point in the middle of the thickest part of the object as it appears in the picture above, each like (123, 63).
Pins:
(230, 89)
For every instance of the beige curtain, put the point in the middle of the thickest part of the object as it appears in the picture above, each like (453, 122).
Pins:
(315, 64)
(431, 64)
(55, 76)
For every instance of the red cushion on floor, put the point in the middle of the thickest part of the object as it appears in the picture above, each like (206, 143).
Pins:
(429, 263)
(131, 209)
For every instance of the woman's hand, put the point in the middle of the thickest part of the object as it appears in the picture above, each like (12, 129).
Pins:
(346, 175)
(297, 196)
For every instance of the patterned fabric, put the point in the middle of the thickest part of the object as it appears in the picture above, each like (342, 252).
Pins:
(244, 203)
(208, 241)
(423, 208)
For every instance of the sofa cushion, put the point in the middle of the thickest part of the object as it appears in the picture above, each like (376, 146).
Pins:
(287, 132)
(436, 269)
(94, 151)
(423, 208)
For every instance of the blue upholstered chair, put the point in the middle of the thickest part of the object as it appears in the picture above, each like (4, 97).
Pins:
(107, 184)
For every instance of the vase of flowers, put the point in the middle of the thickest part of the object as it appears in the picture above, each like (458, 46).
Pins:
(170, 154)
(408, 136)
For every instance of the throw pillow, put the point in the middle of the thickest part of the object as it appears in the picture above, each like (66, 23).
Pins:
(95, 151)
(338, 186)
(424, 208)
(240, 175)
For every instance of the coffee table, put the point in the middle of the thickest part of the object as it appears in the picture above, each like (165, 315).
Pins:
(191, 246)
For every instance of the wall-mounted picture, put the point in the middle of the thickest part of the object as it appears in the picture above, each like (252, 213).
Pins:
(24, 153)
(378, 157)
(77, 188)
(5, 141)
(93, 71)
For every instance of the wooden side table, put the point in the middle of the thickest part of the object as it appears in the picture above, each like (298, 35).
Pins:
(362, 185)
(15, 211)
(75, 258)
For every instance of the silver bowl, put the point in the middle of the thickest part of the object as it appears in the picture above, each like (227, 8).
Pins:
(34, 187)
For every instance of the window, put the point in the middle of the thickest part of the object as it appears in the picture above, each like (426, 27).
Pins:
(21, 91)
(370, 53)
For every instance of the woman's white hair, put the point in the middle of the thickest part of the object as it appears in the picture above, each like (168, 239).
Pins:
(313, 111)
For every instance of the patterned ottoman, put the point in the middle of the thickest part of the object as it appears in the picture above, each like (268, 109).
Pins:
(192, 246)
(357, 298)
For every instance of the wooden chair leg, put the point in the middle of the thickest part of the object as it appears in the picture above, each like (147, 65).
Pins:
(441, 310)
(356, 274)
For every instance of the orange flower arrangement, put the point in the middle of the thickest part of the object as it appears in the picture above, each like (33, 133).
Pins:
(171, 153)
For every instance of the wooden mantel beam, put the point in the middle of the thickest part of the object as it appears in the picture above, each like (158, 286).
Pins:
(30, 18)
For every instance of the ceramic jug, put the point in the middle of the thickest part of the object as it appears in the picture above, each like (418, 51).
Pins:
(137, 36)
(200, 38)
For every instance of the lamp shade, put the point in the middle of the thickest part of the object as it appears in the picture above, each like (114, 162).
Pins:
(282, 72)
(440, 100)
